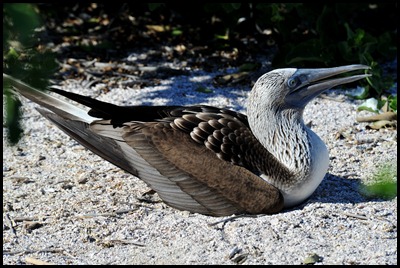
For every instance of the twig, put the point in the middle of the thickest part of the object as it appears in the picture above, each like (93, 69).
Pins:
(121, 241)
(232, 219)
(338, 99)
(9, 222)
(37, 262)
(18, 219)
(106, 214)
(384, 116)
(355, 216)
(29, 251)
(93, 215)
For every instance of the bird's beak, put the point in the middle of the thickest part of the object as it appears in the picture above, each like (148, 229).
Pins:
(312, 82)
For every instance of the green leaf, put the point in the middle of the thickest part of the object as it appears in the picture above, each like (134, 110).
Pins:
(358, 37)
(12, 116)
(223, 37)
(12, 54)
(176, 32)
(24, 19)
(358, 93)
(370, 104)
(386, 190)
(384, 183)
(276, 14)
(392, 99)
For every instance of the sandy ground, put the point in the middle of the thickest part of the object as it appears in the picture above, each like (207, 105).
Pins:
(64, 205)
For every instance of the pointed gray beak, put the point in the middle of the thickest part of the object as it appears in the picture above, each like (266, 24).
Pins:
(306, 84)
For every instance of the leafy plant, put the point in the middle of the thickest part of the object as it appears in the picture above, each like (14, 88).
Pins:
(384, 183)
(329, 44)
(306, 35)
(22, 59)
(320, 34)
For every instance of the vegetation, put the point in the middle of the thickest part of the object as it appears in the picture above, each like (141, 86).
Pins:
(314, 34)
(22, 59)
(384, 183)
(330, 35)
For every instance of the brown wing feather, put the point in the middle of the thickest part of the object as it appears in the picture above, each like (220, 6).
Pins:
(197, 158)
(228, 135)
(187, 174)
(238, 186)
(176, 187)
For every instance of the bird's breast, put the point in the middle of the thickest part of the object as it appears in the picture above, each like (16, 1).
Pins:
(319, 162)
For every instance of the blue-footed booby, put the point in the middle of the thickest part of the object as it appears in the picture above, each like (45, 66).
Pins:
(204, 159)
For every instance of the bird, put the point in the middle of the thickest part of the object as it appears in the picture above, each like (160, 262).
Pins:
(209, 160)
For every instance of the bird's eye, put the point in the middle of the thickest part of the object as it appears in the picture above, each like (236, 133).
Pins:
(292, 82)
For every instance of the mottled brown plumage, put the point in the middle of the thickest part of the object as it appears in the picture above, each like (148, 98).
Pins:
(205, 159)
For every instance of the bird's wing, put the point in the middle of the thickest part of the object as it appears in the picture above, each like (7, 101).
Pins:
(186, 154)
(227, 133)
(186, 174)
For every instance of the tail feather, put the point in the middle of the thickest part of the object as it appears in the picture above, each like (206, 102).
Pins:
(60, 107)
(104, 147)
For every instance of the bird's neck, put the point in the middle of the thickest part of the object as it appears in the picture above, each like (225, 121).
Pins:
(296, 147)
(285, 136)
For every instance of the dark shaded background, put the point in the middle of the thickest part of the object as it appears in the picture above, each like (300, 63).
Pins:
(69, 37)
(249, 28)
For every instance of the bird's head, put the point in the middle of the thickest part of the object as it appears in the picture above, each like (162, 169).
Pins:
(294, 88)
